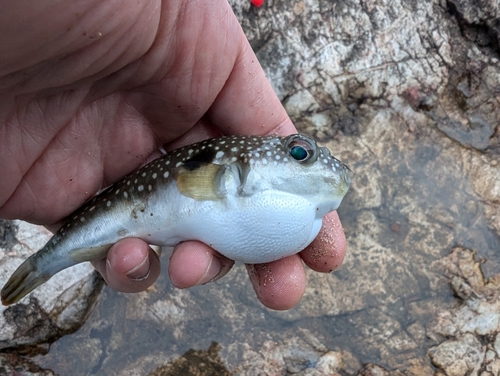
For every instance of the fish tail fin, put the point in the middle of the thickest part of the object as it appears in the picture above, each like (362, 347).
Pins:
(24, 280)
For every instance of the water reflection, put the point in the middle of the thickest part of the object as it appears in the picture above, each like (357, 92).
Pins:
(411, 202)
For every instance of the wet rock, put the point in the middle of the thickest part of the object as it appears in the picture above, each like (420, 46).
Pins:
(59, 308)
(459, 357)
(472, 327)
(376, 370)
(408, 98)
(8, 231)
(195, 363)
(12, 364)
(300, 355)
(417, 368)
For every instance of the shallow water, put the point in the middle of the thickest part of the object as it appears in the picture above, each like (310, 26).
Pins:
(412, 201)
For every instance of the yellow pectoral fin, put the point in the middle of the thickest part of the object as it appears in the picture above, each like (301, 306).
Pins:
(201, 183)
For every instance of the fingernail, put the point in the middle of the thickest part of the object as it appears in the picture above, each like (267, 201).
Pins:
(212, 272)
(141, 271)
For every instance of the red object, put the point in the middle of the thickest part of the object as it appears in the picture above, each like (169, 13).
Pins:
(257, 3)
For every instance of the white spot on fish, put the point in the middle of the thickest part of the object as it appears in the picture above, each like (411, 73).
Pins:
(108, 204)
(125, 194)
(219, 154)
(140, 188)
(154, 175)
(143, 174)
(165, 175)
(82, 219)
(178, 164)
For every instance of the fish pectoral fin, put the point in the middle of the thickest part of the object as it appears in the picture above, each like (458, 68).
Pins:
(202, 183)
(90, 254)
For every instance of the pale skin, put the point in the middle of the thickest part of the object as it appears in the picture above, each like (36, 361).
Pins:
(89, 90)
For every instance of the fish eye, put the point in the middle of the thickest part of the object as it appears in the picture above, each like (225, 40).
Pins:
(298, 152)
(301, 148)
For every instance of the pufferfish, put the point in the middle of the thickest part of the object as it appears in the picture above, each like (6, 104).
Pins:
(253, 199)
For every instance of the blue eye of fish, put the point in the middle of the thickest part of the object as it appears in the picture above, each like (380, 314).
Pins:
(302, 149)
(298, 153)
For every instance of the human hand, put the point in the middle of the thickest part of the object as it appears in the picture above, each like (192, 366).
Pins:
(90, 91)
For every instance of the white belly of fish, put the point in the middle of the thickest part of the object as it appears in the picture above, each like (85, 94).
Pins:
(245, 229)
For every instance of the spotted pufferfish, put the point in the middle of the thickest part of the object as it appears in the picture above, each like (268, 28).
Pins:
(253, 199)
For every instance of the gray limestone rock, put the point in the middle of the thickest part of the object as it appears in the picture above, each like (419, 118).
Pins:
(472, 327)
(59, 308)
(15, 365)
(407, 94)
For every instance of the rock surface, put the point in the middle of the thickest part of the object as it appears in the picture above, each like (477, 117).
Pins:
(407, 94)
(471, 329)
(51, 312)
(13, 364)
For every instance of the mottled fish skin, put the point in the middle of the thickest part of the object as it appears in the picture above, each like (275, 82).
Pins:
(254, 199)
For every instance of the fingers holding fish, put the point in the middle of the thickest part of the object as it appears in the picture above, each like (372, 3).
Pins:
(279, 284)
(194, 263)
(131, 266)
(327, 251)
